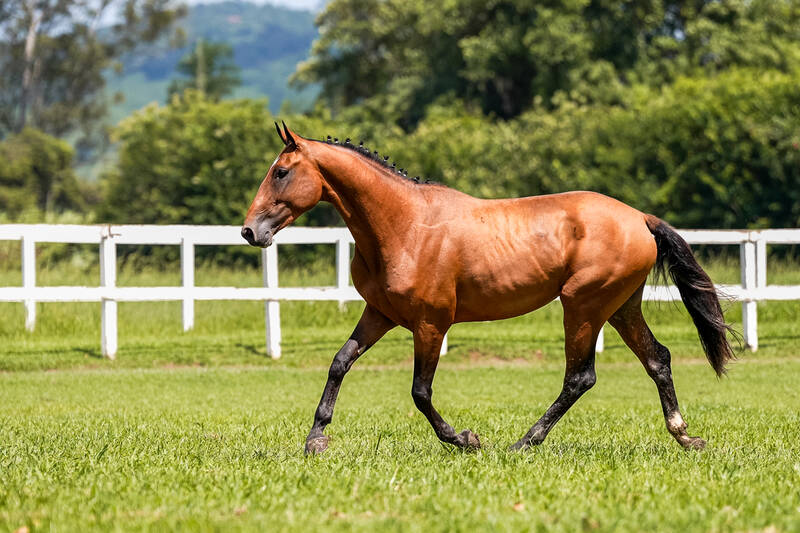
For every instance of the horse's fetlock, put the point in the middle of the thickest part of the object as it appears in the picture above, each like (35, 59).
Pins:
(676, 425)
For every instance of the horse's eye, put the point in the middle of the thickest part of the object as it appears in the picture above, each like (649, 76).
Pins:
(280, 173)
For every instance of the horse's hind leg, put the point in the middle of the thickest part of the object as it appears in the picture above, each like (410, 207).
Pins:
(633, 329)
(580, 338)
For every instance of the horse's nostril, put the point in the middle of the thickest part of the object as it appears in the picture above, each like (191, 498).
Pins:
(248, 234)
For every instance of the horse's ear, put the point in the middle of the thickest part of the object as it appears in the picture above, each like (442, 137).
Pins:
(288, 137)
(280, 133)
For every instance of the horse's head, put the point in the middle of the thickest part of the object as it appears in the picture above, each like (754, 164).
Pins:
(292, 186)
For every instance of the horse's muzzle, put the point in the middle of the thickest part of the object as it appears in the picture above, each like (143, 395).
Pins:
(255, 237)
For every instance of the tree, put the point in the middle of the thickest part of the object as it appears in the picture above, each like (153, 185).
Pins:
(54, 53)
(193, 161)
(394, 58)
(36, 175)
(210, 69)
(702, 152)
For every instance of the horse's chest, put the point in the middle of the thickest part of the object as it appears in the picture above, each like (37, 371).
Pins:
(392, 304)
(397, 294)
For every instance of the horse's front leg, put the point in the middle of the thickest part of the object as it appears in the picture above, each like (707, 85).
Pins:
(427, 343)
(370, 328)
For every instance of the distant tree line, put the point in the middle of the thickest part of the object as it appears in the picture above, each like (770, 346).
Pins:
(685, 109)
(53, 54)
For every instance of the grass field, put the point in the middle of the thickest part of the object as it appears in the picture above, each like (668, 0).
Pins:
(200, 431)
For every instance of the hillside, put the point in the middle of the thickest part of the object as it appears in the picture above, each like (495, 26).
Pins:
(268, 41)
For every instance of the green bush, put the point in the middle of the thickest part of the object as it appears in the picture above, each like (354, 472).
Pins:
(719, 152)
(36, 176)
(194, 161)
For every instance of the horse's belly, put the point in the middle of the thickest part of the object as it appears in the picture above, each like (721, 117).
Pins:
(476, 303)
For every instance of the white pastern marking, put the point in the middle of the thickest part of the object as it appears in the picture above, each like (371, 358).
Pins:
(676, 422)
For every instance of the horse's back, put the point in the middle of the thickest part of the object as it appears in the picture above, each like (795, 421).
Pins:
(516, 255)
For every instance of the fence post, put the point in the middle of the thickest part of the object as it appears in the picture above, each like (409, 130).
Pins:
(29, 279)
(342, 265)
(187, 280)
(761, 262)
(443, 349)
(749, 305)
(601, 341)
(108, 279)
(269, 258)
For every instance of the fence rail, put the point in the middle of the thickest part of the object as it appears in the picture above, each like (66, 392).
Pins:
(753, 262)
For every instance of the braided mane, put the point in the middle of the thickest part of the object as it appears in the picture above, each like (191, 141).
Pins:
(374, 156)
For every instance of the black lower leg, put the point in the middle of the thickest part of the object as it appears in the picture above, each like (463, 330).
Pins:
(656, 359)
(576, 382)
(659, 369)
(341, 364)
(370, 328)
(422, 393)
(426, 358)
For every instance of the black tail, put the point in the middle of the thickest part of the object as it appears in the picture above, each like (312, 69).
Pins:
(697, 292)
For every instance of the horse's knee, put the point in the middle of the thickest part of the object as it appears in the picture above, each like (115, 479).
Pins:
(580, 382)
(338, 369)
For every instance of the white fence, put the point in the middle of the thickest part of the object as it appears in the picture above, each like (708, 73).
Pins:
(753, 288)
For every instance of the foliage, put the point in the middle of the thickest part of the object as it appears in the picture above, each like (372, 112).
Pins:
(36, 176)
(702, 152)
(396, 57)
(193, 161)
(267, 42)
(210, 69)
(53, 55)
(714, 152)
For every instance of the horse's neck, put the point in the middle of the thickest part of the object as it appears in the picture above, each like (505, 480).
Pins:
(376, 207)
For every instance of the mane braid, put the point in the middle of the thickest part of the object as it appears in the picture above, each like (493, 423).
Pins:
(374, 156)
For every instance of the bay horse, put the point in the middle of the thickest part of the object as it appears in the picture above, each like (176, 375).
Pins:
(428, 256)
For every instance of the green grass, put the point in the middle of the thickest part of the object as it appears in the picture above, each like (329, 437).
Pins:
(201, 431)
(220, 449)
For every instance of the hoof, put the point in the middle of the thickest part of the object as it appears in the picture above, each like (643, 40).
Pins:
(467, 440)
(316, 445)
(694, 443)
